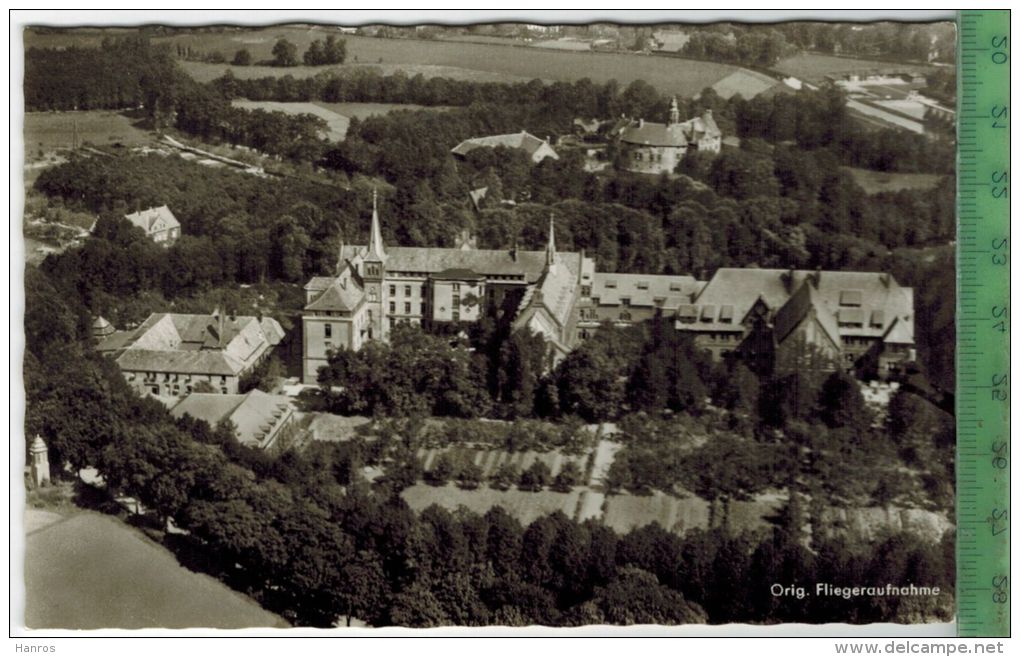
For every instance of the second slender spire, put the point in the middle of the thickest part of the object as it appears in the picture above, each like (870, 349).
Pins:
(376, 250)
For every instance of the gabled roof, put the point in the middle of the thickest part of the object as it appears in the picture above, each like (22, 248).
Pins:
(148, 219)
(342, 295)
(255, 414)
(900, 332)
(798, 308)
(523, 140)
(877, 296)
(195, 344)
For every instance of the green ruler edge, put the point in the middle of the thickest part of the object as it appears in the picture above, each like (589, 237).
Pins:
(982, 343)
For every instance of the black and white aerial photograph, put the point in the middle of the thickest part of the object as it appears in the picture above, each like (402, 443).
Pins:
(356, 326)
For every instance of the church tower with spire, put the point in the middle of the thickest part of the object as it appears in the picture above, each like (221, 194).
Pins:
(373, 273)
(550, 246)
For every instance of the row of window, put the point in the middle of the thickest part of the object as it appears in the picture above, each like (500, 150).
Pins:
(152, 377)
(407, 307)
(407, 290)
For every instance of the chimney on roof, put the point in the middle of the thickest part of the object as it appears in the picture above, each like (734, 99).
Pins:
(787, 278)
(816, 278)
(707, 114)
(886, 279)
(640, 123)
(513, 250)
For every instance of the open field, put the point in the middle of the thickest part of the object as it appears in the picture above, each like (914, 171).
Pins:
(812, 67)
(626, 512)
(507, 63)
(481, 61)
(48, 131)
(874, 182)
(91, 571)
(336, 123)
(363, 111)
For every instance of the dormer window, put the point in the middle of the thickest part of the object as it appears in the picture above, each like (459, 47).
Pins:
(642, 285)
(850, 298)
(611, 285)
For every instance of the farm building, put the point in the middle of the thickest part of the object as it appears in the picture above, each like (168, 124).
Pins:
(262, 421)
(647, 147)
(159, 224)
(535, 148)
(170, 354)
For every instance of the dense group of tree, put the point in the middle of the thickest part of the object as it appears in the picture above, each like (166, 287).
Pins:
(319, 53)
(288, 532)
(121, 73)
(756, 46)
(899, 41)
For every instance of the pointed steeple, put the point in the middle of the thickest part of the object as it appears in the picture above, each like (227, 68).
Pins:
(376, 251)
(674, 112)
(550, 247)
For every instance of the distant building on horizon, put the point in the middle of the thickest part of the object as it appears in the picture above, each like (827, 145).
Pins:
(171, 354)
(159, 224)
(647, 147)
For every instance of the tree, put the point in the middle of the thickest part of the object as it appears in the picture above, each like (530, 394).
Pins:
(536, 477)
(284, 53)
(313, 56)
(568, 477)
(637, 597)
(505, 476)
(442, 470)
(842, 404)
(469, 475)
(242, 58)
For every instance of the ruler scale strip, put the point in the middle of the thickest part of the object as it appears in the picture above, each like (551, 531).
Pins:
(982, 356)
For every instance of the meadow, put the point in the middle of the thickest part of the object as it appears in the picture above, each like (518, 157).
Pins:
(50, 131)
(91, 571)
(462, 60)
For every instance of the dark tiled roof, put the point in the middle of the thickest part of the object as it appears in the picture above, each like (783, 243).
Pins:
(644, 289)
(424, 260)
(646, 133)
(180, 362)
